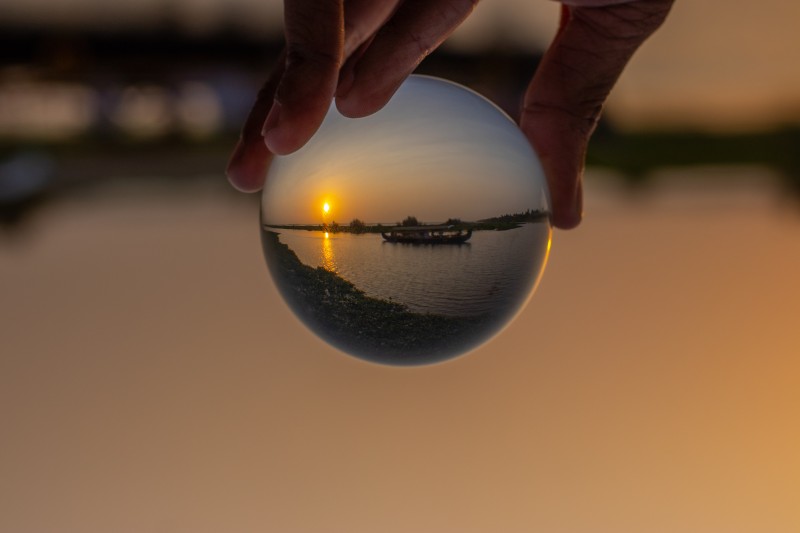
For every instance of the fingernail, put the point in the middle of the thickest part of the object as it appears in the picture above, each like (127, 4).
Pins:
(273, 118)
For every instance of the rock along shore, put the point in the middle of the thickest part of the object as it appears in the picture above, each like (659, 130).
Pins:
(370, 328)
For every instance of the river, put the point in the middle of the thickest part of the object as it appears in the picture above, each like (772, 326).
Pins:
(494, 270)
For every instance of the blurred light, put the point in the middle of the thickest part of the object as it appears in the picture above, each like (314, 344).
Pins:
(144, 111)
(196, 16)
(51, 111)
(198, 109)
(25, 175)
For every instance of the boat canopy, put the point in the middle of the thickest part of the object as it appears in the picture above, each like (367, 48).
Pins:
(421, 228)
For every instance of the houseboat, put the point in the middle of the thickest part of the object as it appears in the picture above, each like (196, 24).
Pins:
(427, 235)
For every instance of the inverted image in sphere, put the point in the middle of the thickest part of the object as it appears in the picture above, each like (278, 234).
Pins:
(413, 235)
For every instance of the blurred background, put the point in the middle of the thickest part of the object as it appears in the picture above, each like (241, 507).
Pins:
(151, 379)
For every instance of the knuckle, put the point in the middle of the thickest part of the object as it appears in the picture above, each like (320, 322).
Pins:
(463, 7)
(299, 55)
(581, 118)
(632, 21)
(421, 44)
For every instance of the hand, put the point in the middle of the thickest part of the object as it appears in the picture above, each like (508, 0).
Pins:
(361, 52)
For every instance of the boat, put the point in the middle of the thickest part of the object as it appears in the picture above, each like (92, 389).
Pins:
(427, 235)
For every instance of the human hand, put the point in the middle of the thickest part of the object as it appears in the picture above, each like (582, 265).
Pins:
(361, 53)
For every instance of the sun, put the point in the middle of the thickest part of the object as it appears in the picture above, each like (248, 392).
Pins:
(326, 207)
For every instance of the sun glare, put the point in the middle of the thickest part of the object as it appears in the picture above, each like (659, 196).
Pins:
(326, 207)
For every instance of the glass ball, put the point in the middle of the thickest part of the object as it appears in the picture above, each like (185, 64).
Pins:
(413, 235)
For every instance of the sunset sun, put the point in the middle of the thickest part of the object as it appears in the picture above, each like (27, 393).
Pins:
(326, 207)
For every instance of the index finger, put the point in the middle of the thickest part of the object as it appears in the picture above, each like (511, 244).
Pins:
(247, 168)
(566, 96)
(314, 48)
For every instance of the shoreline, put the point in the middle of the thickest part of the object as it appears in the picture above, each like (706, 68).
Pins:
(504, 223)
(370, 328)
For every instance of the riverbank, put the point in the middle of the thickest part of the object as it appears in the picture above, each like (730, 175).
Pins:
(370, 328)
(494, 224)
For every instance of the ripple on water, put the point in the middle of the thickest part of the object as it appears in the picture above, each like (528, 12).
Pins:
(486, 275)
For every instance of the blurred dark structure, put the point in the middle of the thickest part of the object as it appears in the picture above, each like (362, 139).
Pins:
(126, 77)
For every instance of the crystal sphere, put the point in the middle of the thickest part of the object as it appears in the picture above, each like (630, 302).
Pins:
(413, 235)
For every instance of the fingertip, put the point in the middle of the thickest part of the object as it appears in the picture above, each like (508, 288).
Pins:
(274, 131)
(282, 141)
(243, 181)
(291, 125)
(247, 168)
(351, 107)
(358, 103)
(569, 215)
(568, 220)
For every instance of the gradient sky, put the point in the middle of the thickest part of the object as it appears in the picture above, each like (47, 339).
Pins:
(715, 64)
(435, 151)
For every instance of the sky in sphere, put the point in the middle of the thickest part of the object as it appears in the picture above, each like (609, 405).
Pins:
(436, 151)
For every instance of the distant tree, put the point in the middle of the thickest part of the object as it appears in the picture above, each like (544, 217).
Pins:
(410, 221)
(333, 227)
(357, 226)
(453, 222)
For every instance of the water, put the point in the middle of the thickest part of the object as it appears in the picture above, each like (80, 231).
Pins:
(436, 152)
(495, 270)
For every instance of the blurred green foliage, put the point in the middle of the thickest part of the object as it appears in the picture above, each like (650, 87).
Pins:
(636, 155)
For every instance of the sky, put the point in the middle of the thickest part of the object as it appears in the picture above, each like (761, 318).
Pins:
(434, 152)
(715, 64)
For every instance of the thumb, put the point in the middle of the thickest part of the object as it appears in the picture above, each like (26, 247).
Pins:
(566, 96)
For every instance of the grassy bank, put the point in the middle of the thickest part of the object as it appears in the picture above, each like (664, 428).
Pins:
(370, 328)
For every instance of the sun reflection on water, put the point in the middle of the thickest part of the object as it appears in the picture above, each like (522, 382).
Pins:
(328, 259)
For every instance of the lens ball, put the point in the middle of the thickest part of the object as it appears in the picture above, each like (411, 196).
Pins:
(413, 235)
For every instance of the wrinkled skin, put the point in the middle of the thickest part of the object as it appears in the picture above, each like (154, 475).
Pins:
(360, 51)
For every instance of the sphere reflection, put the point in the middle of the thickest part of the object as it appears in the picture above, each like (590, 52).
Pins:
(413, 235)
